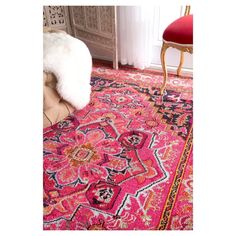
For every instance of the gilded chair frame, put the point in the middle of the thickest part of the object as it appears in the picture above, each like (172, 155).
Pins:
(183, 48)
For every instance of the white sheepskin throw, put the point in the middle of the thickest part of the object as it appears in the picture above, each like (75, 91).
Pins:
(70, 61)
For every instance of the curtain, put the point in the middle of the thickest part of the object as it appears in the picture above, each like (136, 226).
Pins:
(135, 35)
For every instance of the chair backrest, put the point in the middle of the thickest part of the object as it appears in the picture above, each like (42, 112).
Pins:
(187, 10)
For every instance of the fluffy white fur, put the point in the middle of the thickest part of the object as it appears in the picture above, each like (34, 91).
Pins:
(70, 61)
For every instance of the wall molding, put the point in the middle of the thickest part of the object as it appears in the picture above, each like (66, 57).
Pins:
(172, 68)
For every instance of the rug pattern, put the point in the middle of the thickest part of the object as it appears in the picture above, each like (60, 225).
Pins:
(124, 162)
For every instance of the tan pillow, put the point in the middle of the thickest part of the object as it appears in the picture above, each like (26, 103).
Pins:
(50, 30)
(54, 107)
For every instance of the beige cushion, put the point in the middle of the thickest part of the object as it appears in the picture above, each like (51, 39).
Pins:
(54, 108)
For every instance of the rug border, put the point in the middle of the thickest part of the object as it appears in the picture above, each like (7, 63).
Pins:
(170, 201)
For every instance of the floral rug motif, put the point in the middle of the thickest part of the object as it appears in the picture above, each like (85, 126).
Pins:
(124, 162)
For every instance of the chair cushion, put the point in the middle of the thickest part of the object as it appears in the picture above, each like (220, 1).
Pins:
(180, 31)
(69, 59)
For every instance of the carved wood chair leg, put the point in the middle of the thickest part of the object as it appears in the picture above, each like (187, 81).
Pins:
(163, 64)
(180, 63)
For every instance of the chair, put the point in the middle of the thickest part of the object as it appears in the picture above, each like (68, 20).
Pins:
(179, 35)
(67, 66)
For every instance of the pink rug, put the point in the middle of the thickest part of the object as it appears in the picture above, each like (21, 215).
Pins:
(124, 162)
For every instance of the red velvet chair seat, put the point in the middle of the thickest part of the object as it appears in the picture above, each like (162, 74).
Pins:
(180, 31)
